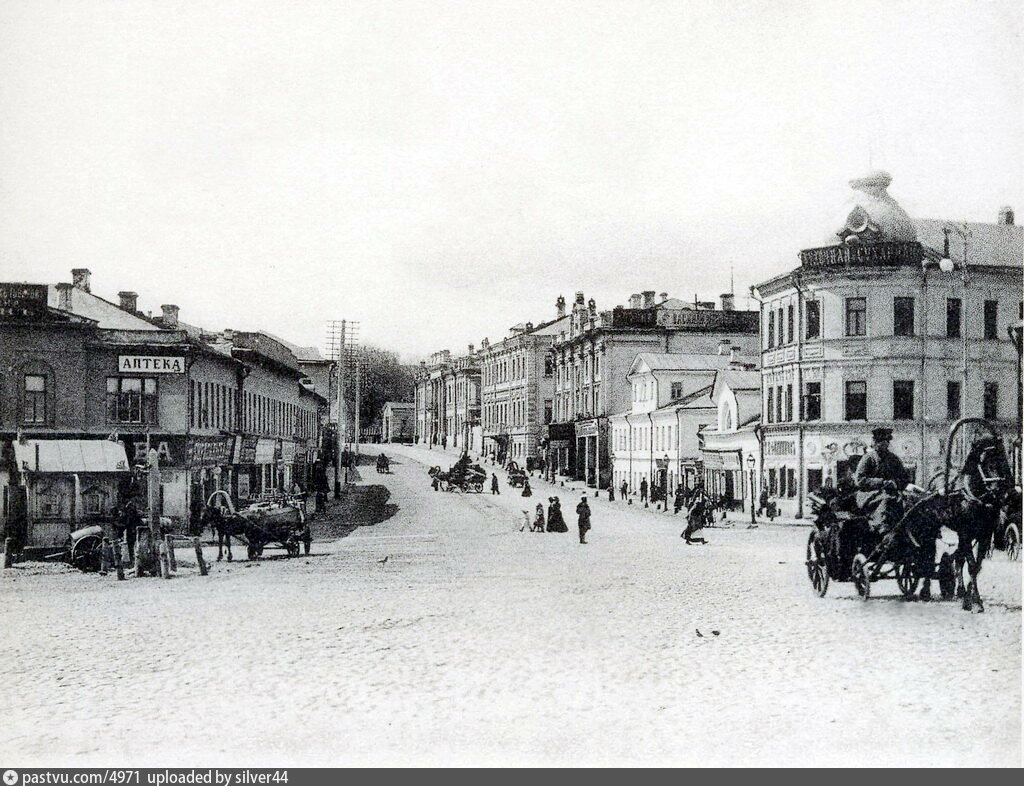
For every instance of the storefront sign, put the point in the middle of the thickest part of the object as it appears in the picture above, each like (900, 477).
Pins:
(727, 461)
(586, 428)
(22, 300)
(210, 451)
(266, 451)
(780, 447)
(150, 364)
(171, 449)
(247, 450)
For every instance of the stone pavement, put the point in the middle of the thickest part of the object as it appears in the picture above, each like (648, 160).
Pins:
(444, 635)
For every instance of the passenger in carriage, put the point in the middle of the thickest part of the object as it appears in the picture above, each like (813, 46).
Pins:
(880, 480)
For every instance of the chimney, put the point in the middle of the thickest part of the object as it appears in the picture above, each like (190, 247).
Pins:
(592, 306)
(635, 301)
(129, 300)
(64, 297)
(728, 301)
(1006, 216)
(80, 278)
(734, 354)
(170, 315)
(560, 307)
(579, 299)
(648, 298)
(471, 348)
(663, 297)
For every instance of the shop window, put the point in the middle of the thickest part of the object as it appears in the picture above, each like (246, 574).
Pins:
(856, 316)
(903, 400)
(856, 400)
(131, 400)
(953, 318)
(903, 316)
(94, 501)
(812, 317)
(34, 408)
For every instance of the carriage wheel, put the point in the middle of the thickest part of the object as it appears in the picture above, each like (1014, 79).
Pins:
(86, 554)
(859, 571)
(947, 577)
(906, 580)
(817, 569)
(1011, 542)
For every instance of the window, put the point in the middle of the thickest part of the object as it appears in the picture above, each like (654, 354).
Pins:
(991, 401)
(991, 317)
(856, 316)
(903, 400)
(34, 410)
(773, 485)
(771, 329)
(677, 390)
(857, 400)
(953, 401)
(771, 405)
(131, 400)
(812, 317)
(814, 480)
(789, 323)
(94, 501)
(903, 316)
(812, 401)
(953, 317)
(790, 482)
(778, 404)
(548, 367)
(789, 402)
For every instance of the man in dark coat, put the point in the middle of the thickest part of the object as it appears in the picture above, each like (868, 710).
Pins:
(643, 490)
(494, 484)
(583, 515)
(880, 479)
(623, 489)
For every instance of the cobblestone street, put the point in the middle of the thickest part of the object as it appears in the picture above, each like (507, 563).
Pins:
(445, 635)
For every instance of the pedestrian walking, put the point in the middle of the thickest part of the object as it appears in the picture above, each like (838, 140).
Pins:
(555, 521)
(695, 520)
(583, 518)
(643, 491)
(538, 518)
(527, 491)
(623, 490)
(494, 484)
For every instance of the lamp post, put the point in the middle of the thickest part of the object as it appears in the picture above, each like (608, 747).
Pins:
(753, 503)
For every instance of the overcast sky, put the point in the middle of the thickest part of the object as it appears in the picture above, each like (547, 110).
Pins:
(441, 171)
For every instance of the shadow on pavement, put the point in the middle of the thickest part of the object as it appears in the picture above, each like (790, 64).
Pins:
(360, 506)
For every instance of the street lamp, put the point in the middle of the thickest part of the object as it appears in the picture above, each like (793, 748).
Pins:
(753, 503)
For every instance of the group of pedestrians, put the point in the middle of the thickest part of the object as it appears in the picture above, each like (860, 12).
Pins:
(555, 522)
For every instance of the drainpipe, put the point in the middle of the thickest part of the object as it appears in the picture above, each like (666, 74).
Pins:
(650, 464)
(923, 476)
(76, 501)
(800, 485)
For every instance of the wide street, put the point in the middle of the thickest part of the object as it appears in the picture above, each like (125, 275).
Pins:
(445, 635)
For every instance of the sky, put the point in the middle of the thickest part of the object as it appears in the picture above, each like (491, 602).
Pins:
(441, 171)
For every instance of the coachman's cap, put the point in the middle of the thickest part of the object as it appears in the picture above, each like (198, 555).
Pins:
(879, 434)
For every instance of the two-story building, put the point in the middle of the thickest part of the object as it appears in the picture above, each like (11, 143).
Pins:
(657, 440)
(894, 322)
(592, 353)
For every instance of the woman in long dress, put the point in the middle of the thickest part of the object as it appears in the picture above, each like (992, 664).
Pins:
(538, 519)
(555, 521)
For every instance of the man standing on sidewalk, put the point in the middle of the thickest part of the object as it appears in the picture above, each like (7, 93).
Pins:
(643, 491)
(494, 484)
(583, 515)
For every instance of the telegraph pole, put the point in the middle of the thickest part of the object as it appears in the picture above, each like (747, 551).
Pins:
(336, 341)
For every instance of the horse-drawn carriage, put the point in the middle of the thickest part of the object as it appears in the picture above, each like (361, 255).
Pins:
(970, 501)
(516, 475)
(277, 523)
(464, 476)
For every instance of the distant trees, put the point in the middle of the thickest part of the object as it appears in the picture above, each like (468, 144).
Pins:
(384, 379)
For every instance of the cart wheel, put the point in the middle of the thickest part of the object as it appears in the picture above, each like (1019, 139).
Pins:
(86, 554)
(859, 571)
(1011, 542)
(906, 580)
(817, 569)
(947, 577)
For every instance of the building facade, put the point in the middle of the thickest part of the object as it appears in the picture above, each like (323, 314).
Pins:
(593, 352)
(895, 323)
(448, 401)
(398, 422)
(517, 391)
(730, 448)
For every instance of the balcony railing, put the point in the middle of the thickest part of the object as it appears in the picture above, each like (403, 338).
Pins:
(863, 255)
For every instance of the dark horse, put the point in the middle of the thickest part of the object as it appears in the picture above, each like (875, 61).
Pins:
(971, 505)
(225, 524)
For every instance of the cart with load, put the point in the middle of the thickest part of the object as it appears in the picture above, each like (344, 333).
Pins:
(516, 475)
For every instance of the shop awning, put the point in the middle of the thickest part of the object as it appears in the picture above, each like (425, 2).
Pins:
(70, 455)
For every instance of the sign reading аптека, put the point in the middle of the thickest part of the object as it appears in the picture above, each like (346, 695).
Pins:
(149, 364)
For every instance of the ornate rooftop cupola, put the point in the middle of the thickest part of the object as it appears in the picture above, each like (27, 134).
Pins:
(872, 215)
